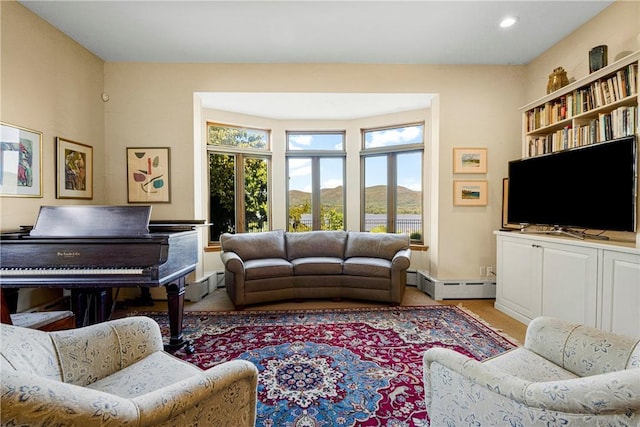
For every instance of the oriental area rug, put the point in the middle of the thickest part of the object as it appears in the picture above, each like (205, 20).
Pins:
(347, 367)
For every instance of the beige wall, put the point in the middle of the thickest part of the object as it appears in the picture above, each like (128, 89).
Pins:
(617, 26)
(151, 104)
(51, 84)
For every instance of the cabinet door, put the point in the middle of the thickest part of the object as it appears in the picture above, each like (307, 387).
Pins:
(621, 293)
(569, 283)
(518, 289)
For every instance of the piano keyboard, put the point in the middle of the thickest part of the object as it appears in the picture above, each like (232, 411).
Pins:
(69, 271)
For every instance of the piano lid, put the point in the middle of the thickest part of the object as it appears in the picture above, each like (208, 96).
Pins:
(92, 221)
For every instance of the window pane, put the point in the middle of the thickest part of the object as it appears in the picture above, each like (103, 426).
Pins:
(394, 136)
(409, 194)
(315, 141)
(299, 194)
(256, 201)
(375, 194)
(222, 200)
(331, 193)
(237, 137)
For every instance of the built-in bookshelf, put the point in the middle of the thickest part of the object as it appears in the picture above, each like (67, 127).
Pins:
(596, 108)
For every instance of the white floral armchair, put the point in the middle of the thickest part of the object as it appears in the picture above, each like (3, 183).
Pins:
(116, 374)
(565, 375)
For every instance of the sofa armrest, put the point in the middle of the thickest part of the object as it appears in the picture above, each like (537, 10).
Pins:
(401, 260)
(93, 352)
(226, 394)
(233, 262)
(614, 392)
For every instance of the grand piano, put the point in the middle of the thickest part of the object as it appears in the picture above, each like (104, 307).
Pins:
(92, 249)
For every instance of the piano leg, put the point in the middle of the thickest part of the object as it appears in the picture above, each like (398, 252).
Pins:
(175, 306)
(89, 305)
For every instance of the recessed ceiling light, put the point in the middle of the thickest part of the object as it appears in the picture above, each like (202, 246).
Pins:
(508, 21)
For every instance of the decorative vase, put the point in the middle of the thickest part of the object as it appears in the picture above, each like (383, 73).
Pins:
(557, 79)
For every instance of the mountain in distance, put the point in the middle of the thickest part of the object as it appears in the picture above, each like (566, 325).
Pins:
(409, 201)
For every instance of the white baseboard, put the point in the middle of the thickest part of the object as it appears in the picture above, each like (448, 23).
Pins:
(456, 289)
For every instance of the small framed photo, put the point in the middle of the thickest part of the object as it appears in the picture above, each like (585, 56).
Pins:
(469, 160)
(74, 170)
(470, 193)
(148, 175)
(20, 161)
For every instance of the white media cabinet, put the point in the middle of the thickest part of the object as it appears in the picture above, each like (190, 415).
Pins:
(585, 281)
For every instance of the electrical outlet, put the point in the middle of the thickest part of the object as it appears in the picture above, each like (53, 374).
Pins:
(482, 271)
(490, 272)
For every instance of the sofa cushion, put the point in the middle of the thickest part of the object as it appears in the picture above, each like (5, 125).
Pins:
(363, 266)
(317, 266)
(315, 244)
(377, 245)
(267, 244)
(267, 268)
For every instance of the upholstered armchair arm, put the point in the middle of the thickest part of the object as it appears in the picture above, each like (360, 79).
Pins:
(581, 349)
(37, 401)
(491, 378)
(401, 260)
(225, 394)
(222, 395)
(614, 392)
(93, 352)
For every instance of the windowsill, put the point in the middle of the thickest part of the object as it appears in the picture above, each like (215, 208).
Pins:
(213, 248)
(419, 247)
(414, 247)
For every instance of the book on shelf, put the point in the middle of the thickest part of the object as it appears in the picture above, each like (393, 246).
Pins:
(615, 124)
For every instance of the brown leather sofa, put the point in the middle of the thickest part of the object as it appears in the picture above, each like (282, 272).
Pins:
(277, 265)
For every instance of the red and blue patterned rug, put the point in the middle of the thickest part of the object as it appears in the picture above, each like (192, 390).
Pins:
(349, 367)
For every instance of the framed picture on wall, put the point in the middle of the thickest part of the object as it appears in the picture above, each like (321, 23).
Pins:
(74, 170)
(470, 193)
(469, 160)
(20, 161)
(148, 175)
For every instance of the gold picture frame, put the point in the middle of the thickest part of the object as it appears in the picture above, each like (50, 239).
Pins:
(470, 193)
(20, 161)
(148, 175)
(74, 170)
(469, 160)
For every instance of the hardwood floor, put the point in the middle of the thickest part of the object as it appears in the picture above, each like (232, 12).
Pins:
(219, 301)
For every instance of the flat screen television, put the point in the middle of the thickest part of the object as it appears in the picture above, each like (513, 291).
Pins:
(592, 188)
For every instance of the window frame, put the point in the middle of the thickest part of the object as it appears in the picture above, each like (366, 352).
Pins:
(391, 153)
(315, 157)
(240, 154)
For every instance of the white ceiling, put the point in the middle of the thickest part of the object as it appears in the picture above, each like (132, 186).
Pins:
(326, 31)
(308, 31)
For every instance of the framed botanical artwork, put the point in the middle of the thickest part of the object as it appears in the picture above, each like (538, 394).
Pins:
(469, 193)
(20, 161)
(469, 160)
(148, 175)
(74, 170)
